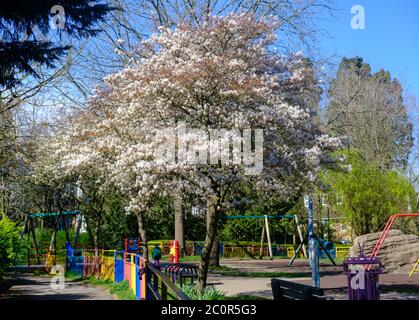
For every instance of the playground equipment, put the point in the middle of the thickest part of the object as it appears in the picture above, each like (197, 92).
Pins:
(314, 243)
(132, 245)
(174, 251)
(265, 228)
(363, 283)
(414, 269)
(48, 257)
(384, 233)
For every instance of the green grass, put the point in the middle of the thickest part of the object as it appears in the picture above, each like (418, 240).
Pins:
(120, 290)
(72, 276)
(209, 293)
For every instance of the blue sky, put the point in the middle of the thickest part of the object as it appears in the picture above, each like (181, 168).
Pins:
(390, 40)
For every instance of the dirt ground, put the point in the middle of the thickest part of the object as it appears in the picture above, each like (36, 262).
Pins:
(393, 286)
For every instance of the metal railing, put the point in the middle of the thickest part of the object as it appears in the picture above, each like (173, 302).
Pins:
(158, 281)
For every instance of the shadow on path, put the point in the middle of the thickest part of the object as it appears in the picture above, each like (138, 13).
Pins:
(31, 287)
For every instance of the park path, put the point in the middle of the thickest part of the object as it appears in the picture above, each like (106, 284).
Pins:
(335, 286)
(31, 287)
(332, 279)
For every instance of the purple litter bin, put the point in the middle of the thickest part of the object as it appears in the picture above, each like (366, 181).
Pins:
(363, 282)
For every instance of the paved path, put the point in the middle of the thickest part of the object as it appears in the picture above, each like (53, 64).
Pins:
(30, 287)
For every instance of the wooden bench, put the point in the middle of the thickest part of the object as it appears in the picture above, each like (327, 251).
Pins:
(287, 290)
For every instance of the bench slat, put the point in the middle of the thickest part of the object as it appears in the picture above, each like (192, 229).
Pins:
(287, 290)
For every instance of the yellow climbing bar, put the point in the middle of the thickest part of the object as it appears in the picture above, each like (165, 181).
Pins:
(414, 269)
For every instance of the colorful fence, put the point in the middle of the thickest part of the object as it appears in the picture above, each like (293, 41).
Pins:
(107, 271)
(111, 265)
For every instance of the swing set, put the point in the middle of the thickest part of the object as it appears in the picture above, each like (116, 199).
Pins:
(266, 229)
(384, 234)
(48, 257)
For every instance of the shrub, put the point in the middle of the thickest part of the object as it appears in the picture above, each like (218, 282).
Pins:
(9, 243)
(209, 293)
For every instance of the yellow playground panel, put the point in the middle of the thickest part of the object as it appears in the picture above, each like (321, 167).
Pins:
(291, 250)
(107, 271)
(342, 252)
(53, 260)
(414, 269)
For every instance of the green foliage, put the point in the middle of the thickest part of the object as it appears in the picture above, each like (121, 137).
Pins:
(43, 238)
(369, 194)
(73, 276)
(121, 290)
(209, 293)
(9, 241)
(160, 220)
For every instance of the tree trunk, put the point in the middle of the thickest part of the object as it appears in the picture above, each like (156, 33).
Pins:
(79, 222)
(35, 244)
(211, 234)
(67, 235)
(142, 234)
(25, 223)
(215, 252)
(179, 233)
(89, 231)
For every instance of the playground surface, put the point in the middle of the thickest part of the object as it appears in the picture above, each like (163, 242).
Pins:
(38, 287)
(394, 286)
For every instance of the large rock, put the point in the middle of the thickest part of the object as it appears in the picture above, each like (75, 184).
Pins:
(398, 253)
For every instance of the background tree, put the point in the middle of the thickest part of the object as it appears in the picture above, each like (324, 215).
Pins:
(369, 194)
(369, 109)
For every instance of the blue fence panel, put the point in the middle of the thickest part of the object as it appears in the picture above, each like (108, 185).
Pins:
(221, 249)
(75, 262)
(119, 266)
(198, 249)
(137, 280)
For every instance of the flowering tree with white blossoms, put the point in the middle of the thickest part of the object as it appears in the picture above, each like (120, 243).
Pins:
(203, 108)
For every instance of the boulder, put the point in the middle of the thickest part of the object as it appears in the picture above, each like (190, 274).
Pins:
(398, 253)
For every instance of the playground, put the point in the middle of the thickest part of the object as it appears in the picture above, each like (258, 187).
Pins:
(245, 271)
(209, 150)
